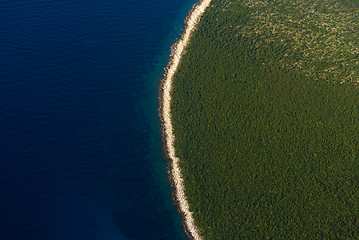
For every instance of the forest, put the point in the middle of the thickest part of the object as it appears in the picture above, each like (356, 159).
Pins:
(266, 117)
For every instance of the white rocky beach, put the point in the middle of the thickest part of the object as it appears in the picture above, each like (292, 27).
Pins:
(178, 50)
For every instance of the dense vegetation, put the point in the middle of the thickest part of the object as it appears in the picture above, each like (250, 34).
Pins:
(266, 117)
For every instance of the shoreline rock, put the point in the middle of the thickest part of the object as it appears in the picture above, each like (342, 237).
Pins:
(165, 114)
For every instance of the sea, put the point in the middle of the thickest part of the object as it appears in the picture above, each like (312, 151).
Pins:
(81, 155)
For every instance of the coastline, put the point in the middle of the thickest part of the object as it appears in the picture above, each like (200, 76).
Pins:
(165, 114)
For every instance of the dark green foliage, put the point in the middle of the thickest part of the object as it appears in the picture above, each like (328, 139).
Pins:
(267, 152)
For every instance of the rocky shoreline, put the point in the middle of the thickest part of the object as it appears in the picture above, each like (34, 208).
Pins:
(165, 114)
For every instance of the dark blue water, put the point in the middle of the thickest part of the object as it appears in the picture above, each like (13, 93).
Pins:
(80, 147)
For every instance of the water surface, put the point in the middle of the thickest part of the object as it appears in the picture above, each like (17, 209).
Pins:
(80, 149)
